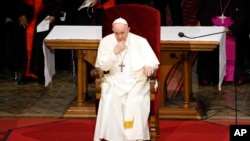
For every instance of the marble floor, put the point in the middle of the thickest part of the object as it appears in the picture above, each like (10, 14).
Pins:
(34, 100)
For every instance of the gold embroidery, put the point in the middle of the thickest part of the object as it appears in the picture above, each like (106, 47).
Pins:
(128, 124)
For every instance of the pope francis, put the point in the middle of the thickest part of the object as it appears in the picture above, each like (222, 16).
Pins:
(125, 97)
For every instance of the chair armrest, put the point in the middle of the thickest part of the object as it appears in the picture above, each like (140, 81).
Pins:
(153, 85)
(96, 73)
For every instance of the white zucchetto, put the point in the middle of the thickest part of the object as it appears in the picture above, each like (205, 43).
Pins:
(120, 20)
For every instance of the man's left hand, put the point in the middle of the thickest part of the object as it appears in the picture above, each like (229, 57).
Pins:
(94, 2)
(148, 71)
(51, 19)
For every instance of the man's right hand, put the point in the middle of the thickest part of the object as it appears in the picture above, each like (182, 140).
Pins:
(22, 20)
(119, 47)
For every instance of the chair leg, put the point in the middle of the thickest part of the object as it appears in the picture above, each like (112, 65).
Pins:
(154, 127)
(73, 66)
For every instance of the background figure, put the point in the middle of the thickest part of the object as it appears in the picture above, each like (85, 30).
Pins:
(91, 15)
(6, 18)
(14, 19)
(237, 20)
(175, 9)
(48, 10)
(24, 15)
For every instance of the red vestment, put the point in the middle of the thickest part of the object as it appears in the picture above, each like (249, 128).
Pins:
(38, 6)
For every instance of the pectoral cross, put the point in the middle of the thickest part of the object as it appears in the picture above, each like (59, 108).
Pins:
(222, 17)
(121, 65)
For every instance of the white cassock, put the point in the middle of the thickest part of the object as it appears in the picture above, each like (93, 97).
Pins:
(125, 97)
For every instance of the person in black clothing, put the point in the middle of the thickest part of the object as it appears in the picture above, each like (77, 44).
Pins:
(175, 9)
(239, 12)
(14, 40)
(6, 19)
(90, 15)
(24, 15)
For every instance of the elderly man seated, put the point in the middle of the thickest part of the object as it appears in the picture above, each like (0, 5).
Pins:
(125, 98)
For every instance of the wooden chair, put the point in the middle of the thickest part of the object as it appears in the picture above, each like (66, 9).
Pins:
(144, 21)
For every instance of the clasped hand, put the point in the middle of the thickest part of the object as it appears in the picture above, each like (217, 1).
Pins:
(119, 47)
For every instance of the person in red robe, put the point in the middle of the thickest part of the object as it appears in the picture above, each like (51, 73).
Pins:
(42, 10)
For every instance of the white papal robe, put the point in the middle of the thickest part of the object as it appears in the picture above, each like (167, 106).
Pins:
(125, 97)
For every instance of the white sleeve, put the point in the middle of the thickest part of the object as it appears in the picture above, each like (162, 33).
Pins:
(106, 57)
